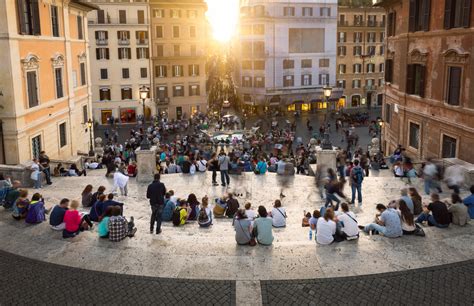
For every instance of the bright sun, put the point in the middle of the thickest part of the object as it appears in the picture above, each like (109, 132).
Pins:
(223, 16)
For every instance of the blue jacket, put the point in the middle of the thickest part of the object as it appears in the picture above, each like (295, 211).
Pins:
(35, 213)
(96, 211)
(469, 202)
(167, 214)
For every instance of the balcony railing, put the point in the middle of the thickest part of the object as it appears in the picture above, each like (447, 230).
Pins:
(102, 42)
(124, 42)
(162, 101)
(343, 23)
(370, 87)
(142, 41)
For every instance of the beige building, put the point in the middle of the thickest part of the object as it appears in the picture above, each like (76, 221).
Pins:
(45, 95)
(179, 35)
(360, 53)
(120, 60)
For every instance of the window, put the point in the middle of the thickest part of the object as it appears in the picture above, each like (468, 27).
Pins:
(162, 93)
(175, 13)
(177, 70)
(159, 50)
(62, 135)
(193, 50)
(325, 11)
(102, 53)
(160, 71)
(381, 82)
(175, 31)
(388, 113)
(357, 68)
(123, 36)
(259, 48)
(449, 147)
(58, 76)
(382, 50)
(454, 85)
(259, 65)
(358, 20)
(341, 69)
(100, 16)
(416, 80)
(141, 37)
(192, 14)
(143, 53)
(85, 114)
(125, 73)
(124, 53)
(357, 37)
(104, 94)
(54, 20)
(414, 137)
(381, 67)
(192, 31)
(36, 146)
(341, 50)
(306, 80)
(246, 81)
(323, 78)
(159, 31)
(258, 29)
(382, 37)
(306, 63)
(28, 17)
(355, 83)
(370, 68)
(83, 74)
(101, 37)
(194, 90)
(324, 63)
(176, 50)
(307, 11)
(104, 74)
(342, 84)
(288, 64)
(143, 73)
(419, 15)
(141, 16)
(355, 100)
(389, 70)
(259, 82)
(391, 24)
(245, 29)
(32, 88)
(372, 20)
(288, 11)
(259, 11)
(178, 91)
(288, 80)
(193, 70)
(126, 93)
(80, 28)
(371, 50)
(341, 37)
(122, 16)
(371, 37)
(357, 51)
(158, 13)
(457, 14)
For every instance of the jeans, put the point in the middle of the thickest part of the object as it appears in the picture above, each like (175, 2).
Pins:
(431, 220)
(455, 188)
(431, 184)
(38, 182)
(355, 187)
(214, 176)
(340, 170)
(331, 197)
(373, 226)
(47, 173)
(156, 212)
(225, 177)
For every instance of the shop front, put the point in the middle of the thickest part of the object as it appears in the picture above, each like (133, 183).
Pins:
(105, 115)
(128, 115)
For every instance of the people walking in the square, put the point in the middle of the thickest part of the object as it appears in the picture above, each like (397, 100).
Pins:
(356, 178)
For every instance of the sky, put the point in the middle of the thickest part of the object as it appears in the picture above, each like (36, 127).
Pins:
(223, 16)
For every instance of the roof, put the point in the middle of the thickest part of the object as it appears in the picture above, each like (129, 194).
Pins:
(84, 5)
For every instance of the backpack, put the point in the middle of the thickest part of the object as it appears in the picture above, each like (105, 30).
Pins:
(357, 175)
(203, 217)
(176, 216)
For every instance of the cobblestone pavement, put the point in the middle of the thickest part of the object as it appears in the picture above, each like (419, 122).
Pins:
(28, 281)
(451, 284)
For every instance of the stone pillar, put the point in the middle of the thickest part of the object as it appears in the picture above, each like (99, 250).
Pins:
(146, 164)
(327, 158)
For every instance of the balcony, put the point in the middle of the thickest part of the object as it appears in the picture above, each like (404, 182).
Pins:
(142, 42)
(101, 42)
(124, 42)
(370, 87)
(343, 23)
(162, 101)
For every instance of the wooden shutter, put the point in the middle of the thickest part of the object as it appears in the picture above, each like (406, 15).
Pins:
(32, 89)
(107, 53)
(426, 14)
(129, 53)
(35, 17)
(422, 81)
(320, 79)
(119, 54)
(410, 79)
(327, 78)
(454, 85)
(100, 16)
(394, 24)
(190, 70)
(96, 34)
(97, 53)
(447, 14)
(106, 34)
(21, 17)
(147, 53)
(412, 16)
(466, 13)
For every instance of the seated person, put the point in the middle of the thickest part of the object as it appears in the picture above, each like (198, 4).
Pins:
(119, 227)
(110, 202)
(87, 196)
(103, 227)
(250, 212)
(74, 223)
(56, 218)
(278, 215)
(232, 205)
(387, 223)
(97, 209)
(326, 228)
(21, 205)
(469, 202)
(132, 169)
(180, 214)
(262, 228)
(407, 218)
(313, 221)
(205, 213)
(458, 211)
(95, 195)
(74, 171)
(439, 216)
(92, 165)
(168, 209)
(305, 220)
(36, 211)
(11, 194)
(347, 223)
(60, 171)
(220, 207)
(243, 228)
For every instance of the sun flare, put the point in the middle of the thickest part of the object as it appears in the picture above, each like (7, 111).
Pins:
(223, 16)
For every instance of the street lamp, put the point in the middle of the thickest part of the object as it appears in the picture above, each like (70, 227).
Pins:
(380, 123)
(145, 144)
(91, 148)
(326, 143)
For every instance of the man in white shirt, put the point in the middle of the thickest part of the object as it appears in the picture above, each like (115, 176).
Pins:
(347, 223)
(202, 165)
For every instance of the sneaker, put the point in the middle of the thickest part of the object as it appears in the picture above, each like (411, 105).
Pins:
(132, 233)
(223, 185)
(158, 232)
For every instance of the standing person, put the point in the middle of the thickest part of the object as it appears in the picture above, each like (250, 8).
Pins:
(469, 202)
(36, 174)
(46, 168)
(214, 165)
(356, 178)
(454, 177)
(430, 175)
(224, 168)
(156, 193)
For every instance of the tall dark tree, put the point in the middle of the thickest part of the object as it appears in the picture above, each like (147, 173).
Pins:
(220, 83)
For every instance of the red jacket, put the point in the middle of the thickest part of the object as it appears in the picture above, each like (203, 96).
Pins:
(72, 219)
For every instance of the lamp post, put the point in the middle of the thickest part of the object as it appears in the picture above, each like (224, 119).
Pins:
(326, 143)
(91, 148)
(380, 123)
(145, 144)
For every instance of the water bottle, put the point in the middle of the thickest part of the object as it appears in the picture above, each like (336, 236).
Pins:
(310, 235)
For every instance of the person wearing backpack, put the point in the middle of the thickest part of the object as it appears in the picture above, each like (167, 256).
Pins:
(356, 178)
(205, 213)
(180, 214)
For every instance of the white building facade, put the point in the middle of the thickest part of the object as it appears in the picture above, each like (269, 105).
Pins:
(120, 60)
(287, 53)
